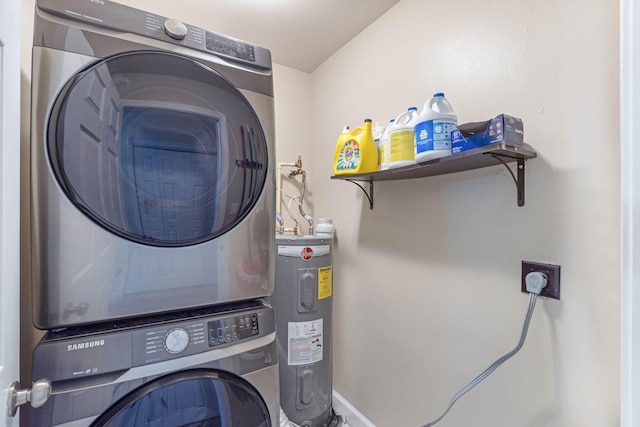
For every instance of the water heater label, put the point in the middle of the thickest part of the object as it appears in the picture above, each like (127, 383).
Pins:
(293, 251)
(325, 285)
(305, 342)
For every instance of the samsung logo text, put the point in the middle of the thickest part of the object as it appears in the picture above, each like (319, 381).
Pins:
(85, 345)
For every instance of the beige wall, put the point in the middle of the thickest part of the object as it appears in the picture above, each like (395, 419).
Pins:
(427, 285)
(294, 130)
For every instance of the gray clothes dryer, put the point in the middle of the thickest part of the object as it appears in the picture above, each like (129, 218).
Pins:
(152, 183)
(207, 368)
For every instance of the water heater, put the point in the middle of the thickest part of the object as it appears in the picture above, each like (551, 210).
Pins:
(303, 302)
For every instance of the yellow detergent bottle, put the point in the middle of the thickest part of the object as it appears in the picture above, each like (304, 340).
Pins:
(356, 153)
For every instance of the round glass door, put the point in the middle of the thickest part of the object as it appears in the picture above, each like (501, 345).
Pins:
(157, 148)
(193, 398)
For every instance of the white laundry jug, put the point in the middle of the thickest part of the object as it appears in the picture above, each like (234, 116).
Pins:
(433, 129)
(401, 139)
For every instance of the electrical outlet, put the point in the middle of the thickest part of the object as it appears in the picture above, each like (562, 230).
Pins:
(552, 290)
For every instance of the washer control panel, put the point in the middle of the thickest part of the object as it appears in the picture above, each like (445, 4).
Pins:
(232, 329)
(186, 337)
(90, 350)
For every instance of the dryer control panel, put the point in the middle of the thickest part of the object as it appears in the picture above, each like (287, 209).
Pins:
(116, 16)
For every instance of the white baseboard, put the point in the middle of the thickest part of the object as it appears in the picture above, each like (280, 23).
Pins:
(351, 415)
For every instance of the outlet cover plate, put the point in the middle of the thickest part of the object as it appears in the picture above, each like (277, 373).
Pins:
(552, 290)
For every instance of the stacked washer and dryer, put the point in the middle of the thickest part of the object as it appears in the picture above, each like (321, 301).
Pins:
(152, 193)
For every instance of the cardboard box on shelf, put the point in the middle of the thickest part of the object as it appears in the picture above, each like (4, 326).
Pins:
(500, 129)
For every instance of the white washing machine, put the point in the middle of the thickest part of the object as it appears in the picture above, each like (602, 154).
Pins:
(152, 183)
(206, 368)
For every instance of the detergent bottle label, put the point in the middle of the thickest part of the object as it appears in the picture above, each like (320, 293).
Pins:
(401, 146)
(434, 135)
(349, 156)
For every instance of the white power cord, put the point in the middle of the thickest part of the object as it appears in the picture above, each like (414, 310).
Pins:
(535, 282)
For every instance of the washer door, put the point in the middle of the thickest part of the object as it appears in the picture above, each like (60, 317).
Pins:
(157, 148)
(202, 398)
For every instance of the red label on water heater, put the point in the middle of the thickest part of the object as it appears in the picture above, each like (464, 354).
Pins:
(306, 253)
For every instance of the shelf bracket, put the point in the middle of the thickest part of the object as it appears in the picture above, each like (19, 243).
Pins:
(519, 180)
(369, 194)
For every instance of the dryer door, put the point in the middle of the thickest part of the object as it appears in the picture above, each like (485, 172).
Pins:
(203, 398)
(157, 148)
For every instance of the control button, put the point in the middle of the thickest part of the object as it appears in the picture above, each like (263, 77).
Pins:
(175, 29)
(176, 341)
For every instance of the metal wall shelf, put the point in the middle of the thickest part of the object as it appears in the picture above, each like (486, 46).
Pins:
(490, 155)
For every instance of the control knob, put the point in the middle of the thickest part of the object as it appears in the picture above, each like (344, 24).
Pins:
(176, 341)
(175, 29)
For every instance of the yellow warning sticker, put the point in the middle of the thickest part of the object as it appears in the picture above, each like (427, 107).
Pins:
(325, 287)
